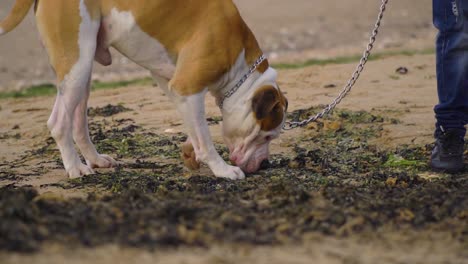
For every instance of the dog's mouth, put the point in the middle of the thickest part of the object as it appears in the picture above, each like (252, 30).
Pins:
(253, 166)
(252, 159)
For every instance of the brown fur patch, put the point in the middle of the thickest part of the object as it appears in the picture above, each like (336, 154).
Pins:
(93, 7)
(269, 107)
(206, 37)
(58, 22)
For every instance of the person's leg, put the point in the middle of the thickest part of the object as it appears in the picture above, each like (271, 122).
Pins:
(451, 19)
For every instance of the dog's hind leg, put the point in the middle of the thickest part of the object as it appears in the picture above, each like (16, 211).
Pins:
(82, 139)
(69, 31)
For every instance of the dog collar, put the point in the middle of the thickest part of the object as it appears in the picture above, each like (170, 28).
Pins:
(234, 89)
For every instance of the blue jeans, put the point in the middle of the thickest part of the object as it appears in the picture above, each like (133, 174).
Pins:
(451, 19)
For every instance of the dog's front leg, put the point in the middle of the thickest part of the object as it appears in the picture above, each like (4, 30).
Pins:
(192, 109)
(188, 155)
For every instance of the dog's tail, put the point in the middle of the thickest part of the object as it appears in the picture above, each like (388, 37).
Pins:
(18, 12)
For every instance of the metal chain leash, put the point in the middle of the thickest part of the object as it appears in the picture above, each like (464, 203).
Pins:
(288, 125)
(252, 69)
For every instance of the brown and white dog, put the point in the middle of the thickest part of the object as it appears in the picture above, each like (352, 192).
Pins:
(190, 48)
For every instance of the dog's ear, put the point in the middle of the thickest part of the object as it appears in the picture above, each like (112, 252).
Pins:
(269, 107)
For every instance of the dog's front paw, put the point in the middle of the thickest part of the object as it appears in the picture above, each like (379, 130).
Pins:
(79, 170)
(189, 157)
(102, 161)
(230, 172)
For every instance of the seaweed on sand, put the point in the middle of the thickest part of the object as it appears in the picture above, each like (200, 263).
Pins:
(333, 182)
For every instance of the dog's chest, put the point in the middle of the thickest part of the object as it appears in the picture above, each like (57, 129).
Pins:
(123, 33)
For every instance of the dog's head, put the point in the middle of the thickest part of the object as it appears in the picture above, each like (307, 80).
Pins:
(259, 121)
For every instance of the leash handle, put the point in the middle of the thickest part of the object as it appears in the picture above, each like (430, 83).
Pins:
(289, 125)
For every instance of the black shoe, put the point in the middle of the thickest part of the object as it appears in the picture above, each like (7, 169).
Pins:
(447, 154)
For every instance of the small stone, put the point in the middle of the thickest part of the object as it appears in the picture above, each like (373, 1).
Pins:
(391, 181)
(170, 131)
(293, 164)
(313, 126)
(404, 184)
(406, 215)
(402, 70)
(332, 126)
(49, 196)
(283, 228)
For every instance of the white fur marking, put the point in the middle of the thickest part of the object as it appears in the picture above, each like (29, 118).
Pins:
(1, 31)
(192, 109)
(80, 74)
(72, 97)
(88, 29)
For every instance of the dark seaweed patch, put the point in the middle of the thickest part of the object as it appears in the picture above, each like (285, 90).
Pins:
(214, 120)
(332, 182)
(108, 110)
(10, 135)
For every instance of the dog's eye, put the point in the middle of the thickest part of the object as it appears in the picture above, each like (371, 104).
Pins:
(267, 138)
